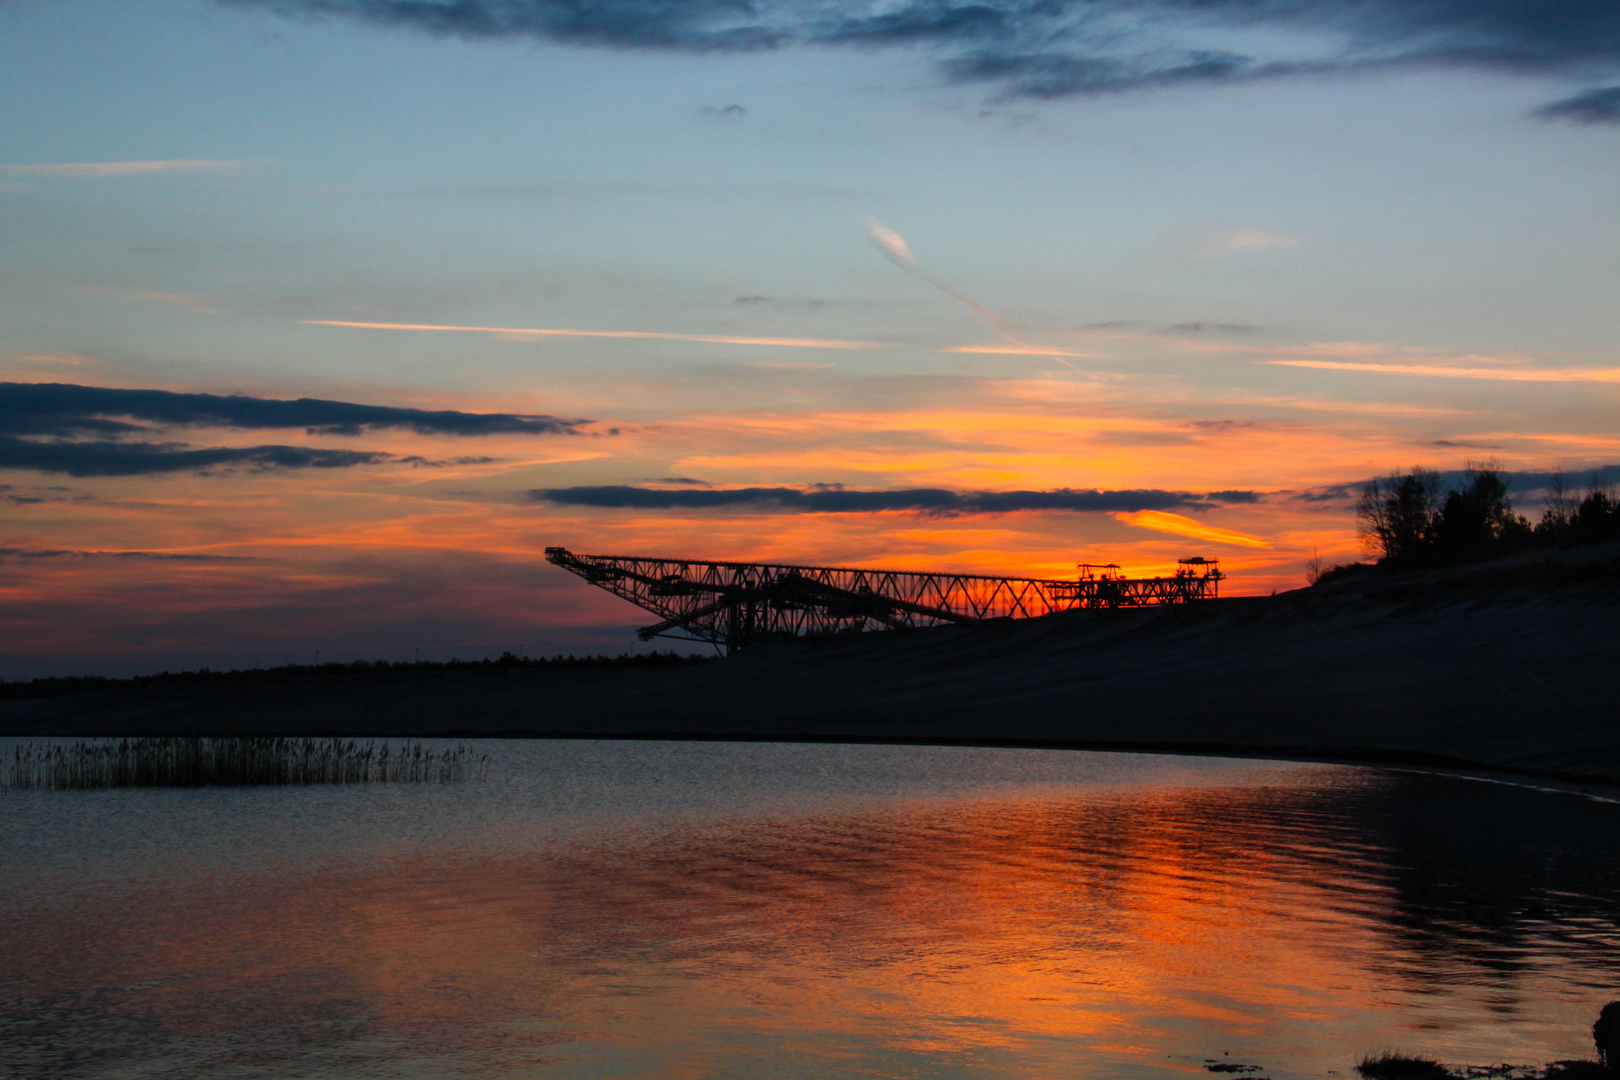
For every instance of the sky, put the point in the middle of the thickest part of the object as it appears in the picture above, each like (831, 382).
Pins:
(321, 319)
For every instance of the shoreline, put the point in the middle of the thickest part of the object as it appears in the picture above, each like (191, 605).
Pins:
(1548, 783)
(1495, 671)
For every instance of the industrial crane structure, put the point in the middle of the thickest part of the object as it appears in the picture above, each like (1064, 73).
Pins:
(731, 605)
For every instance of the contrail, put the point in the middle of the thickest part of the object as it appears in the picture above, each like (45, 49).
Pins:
(894, 248)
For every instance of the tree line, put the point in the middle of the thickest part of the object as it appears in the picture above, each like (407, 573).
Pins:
(56, 686)
(1405, 518)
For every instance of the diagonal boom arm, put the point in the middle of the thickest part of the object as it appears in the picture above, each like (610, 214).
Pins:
(730, 605)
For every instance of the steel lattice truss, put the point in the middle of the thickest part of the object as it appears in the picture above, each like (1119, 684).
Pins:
(730, 605)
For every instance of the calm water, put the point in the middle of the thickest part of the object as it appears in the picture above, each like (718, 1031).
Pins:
(681, 910)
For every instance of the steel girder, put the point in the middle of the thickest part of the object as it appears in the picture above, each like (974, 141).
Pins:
(730, 605)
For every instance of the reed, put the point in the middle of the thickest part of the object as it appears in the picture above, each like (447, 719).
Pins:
(1391, 1065)
(190, 761)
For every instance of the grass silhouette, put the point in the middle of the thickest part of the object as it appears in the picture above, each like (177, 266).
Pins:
(189, 761)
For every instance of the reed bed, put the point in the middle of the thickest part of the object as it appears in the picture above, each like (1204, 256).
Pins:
(189, 761)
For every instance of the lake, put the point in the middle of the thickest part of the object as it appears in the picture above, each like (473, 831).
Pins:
(603, 909)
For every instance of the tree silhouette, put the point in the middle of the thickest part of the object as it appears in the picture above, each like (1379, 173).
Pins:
(1396, 513)
(1479, 514)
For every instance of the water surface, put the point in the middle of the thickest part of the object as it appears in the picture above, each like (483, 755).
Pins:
(631, 909)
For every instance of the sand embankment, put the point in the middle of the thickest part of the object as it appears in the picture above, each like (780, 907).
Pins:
(1510, 666)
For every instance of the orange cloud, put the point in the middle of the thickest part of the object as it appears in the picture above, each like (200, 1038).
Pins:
(1444, 371)
(1180, 525)
(63, 359)
(372, 556)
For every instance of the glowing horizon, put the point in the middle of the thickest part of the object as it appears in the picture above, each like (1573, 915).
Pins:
(944, 279)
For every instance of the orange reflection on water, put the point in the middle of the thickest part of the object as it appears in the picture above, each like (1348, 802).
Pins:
(1005, 937)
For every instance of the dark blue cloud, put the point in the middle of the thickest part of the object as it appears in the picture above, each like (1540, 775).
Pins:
(1054, 75)
(1593, 107)
(686, 25)
(67, 410)
(105, 457)
(98, 431)
(833, 499)
(1054, 48)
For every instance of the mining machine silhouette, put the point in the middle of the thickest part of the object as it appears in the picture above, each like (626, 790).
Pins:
(731, 605)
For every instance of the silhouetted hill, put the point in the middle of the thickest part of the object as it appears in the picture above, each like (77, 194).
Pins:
(1506, 665)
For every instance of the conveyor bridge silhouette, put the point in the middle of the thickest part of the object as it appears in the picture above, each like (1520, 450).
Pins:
(732, 604)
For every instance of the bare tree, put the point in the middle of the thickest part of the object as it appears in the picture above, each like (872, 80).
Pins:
(1600, 484)
(1559, 506)
(1396, 514)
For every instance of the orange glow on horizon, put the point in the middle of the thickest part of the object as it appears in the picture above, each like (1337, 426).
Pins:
(445, 525)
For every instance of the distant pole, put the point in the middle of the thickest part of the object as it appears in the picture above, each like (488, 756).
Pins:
(416, 656)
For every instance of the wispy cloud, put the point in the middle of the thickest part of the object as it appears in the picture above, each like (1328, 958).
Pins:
(1448, 371)
(1256, 240)
(1601, 106)
(895, 249)
(643, 335)
(1011, 349)
(32, 554)
(791, 365)
(192, 301)
(1207, 245)
(91, 169)
(70, 360)
(1180, 525)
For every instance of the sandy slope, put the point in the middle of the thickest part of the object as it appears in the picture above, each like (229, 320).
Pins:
(1513, 665)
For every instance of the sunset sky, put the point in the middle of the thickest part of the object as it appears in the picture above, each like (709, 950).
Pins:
(997, 286)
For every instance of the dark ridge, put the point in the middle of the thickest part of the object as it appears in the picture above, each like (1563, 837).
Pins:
(1499, 670)
(357, 671)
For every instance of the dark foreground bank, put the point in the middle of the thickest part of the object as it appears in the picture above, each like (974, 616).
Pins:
(1508, 666)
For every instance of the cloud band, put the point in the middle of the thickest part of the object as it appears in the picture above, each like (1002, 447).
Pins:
(1054, 48)
(827, 499)
(65, 409)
